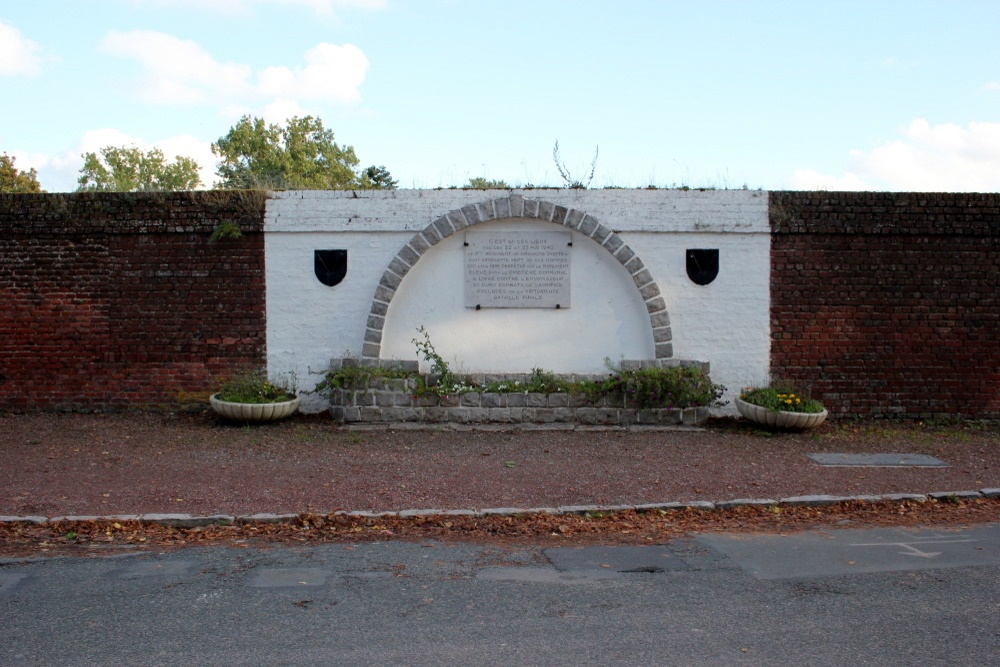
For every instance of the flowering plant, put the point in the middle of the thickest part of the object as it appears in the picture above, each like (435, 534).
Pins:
(780, 399)
(253, 386)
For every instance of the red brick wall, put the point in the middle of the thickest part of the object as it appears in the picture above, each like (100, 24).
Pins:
(119, 300)
(888, 304)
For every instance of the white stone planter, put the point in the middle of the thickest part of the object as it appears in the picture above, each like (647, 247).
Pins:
(789, 421)
(254, 412)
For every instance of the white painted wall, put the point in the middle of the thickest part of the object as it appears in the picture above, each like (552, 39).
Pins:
(725, 323)
(607, 318)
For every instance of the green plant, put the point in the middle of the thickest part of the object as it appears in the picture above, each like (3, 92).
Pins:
(565, 174)
(352, 377)
(676, 387)
(780, 397)
(225, 231)
(438, 365)
(253, 386)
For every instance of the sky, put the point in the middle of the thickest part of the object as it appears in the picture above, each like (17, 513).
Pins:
(795, 94)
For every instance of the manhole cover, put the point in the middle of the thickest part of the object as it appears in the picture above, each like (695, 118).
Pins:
(878, 460)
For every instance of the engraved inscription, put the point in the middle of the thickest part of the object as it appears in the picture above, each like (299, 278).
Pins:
(517, 269)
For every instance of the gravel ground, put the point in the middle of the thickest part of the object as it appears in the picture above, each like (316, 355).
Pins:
(70, 464)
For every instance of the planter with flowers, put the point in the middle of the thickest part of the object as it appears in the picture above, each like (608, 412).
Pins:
(780, 408)
(250, 396)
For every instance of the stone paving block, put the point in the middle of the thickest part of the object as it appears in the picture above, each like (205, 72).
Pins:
(267, 518)
(501, 511)
(542, 510)
(425, 512)
(501, 415)
(517, 400)
(990, 493)
(24, 519)
(701, 505)
(745, 502)
(666, 507)
(177, 520)
(808, 501)
(876, 460)
(564, 415)
(578, 509)
(959, 495)
(544, 415)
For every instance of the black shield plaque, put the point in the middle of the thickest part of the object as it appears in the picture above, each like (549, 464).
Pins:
(702, 265)
(330, 266)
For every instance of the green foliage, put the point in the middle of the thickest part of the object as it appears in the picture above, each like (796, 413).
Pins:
(356, 377)
(481, 183)
(14, 180)
(780, 397)
(225, 231)
(438, 365)
(565, 174)
(129, 169)
(301, 155)
(377, 178)
(253, 386)
(678, 387)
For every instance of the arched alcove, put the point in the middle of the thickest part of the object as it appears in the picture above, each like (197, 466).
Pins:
(512, 208)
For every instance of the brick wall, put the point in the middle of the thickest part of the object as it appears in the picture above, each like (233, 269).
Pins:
(119, 300)
(888, 304)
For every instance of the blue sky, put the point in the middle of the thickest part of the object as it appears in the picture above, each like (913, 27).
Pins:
(873, 94)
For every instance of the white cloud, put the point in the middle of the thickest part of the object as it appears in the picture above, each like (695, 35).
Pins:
(332, 73)
(177, 71)
(59, 172)
(929, 158)
(18, 55)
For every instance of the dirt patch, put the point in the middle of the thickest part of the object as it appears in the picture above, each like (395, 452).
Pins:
(139, 463)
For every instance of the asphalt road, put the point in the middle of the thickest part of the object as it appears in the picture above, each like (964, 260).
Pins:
(844, 597)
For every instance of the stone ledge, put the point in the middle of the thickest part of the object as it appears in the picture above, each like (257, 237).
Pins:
(186, 520)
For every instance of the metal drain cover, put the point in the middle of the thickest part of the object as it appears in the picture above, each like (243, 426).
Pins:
(878, 460)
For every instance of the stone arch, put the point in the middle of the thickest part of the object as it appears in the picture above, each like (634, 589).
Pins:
(517, 206)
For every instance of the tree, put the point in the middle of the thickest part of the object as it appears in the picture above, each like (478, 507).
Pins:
(14, 180)
(482, 183)
(129, 169)
(302, 155)
(377, 178)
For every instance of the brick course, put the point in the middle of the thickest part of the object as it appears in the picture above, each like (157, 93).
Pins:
(886, 304)
(114, 300)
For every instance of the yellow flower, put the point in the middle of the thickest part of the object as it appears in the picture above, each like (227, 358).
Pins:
(788, 400)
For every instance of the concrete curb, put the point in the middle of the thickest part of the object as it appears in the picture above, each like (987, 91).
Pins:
(189, 521)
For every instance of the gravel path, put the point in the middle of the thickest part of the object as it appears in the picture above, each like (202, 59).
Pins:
(145, 462)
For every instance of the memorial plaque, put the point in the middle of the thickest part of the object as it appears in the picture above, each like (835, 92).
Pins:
(517, 269)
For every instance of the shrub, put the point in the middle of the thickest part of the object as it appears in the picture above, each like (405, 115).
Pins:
(253, 386)
(780, 398)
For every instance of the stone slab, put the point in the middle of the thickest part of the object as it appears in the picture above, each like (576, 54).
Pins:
(877, 460)
(517, 269)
